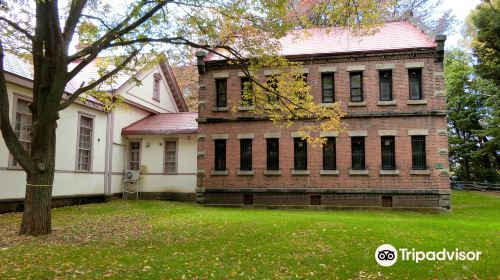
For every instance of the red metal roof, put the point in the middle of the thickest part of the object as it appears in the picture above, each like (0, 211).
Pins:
(336, 40)
(163, 124)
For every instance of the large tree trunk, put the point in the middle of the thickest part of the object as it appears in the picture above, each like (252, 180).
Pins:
(38, 198)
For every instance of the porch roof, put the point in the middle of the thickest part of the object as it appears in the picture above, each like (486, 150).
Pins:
(164, 124)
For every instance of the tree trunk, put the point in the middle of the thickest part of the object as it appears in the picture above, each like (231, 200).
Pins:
(38, 199)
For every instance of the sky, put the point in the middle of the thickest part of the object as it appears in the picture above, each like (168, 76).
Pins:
(461, 8)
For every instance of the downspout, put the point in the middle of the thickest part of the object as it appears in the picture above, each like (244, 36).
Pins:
(108, 153)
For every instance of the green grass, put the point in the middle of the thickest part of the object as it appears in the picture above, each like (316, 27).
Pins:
(158, 240)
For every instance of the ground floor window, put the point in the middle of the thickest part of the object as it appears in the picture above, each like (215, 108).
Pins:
(273, 154)
(358, 153)
(220, 155)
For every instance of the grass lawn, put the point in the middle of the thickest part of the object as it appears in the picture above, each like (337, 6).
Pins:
(158, 240)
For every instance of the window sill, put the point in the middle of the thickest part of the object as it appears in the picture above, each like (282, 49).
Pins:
(417, 102)
(300, 172)
(246, 108)
(364, 172)
(220, 109)
(219, 173)
(245, 172)
(356, 104)
(386, 103)
(272, 172)
(383, 172)
(420, 172)
(83, 171)
(326, 104)
(329, 172)
(156, 99)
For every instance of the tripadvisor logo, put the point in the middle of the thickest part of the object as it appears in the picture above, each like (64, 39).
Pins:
(387, 255)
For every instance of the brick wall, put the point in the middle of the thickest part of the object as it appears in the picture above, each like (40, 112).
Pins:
(401, 117)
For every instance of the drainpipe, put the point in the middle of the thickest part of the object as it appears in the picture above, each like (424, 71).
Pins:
(108, 153)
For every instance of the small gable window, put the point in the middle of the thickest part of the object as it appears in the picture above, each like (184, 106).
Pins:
(156, 87)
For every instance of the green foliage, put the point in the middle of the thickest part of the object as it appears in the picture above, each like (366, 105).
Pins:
(473, 120)
(169, 240)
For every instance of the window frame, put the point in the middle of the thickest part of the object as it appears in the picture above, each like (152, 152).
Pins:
(244, 80)
(218, 94)
(15, 97)
(248, 157)
(91, 153)
(362, 156)
(268, 156)
(380, 79)
(423, 153)
(216, 167)
(299, 155)
(156, 86)
(351, 74)
(386, 154)
(323, 76)
(130, 141)
(334, 156)
(176, 141)
(420, 93)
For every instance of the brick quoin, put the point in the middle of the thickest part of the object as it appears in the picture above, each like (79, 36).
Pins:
(416, 191)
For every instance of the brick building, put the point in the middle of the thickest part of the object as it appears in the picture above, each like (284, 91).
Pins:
(393, 154)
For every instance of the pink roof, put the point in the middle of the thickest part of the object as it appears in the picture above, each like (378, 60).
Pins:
(162, 124)
(335, 40)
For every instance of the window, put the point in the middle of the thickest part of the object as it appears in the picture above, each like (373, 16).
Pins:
(134, 158)
(170, 156)
(418, 153)
(85, 136)
(329, 158)
(221, 92)
(272, 83)
(385, 85)
(22, 126)
(246, 154)
(327, 88)
(273, 154)
(415, 77)
(156, 87)
(300, 154)
(358, 153)
(246, 83)
(220, 155)
(388, 153)
(356, 80)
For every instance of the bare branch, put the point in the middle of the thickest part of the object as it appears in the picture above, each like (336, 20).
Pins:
(9, 136)
(97, 82)
(73, 18)
(18, 28)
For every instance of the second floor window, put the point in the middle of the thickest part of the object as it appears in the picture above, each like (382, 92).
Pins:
(356, 82)
(220, 155)
(418, 157)
(170, 156)
(246, 154)
(246, 85)
(22, 126)
(85, 135)
(134, 157)
(156, 87)
(272, 84)
(329, 158)
(221, 92)
(385, 85)
(327, 88)
(273, 150)
(388, 153)
(415, 81)
(300, 154)
(358, 153)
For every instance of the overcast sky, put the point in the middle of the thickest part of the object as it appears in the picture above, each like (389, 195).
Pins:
(461, 8)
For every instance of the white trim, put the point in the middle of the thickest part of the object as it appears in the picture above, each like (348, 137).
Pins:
(417, 131)
(246, 136)
(353, 68)
(417, 64)
(221, 75)
(328, 69)
(272, 135)
(387, 133)
(387, 66)
(220, 136)
(358, 133)
(329, 134)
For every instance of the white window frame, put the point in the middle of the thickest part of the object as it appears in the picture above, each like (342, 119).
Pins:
(91, 154)
(128, 152)
(165, 155)
(16, 96)
(156, 86)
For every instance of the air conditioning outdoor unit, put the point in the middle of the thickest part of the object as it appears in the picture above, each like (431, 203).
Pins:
(132, 175)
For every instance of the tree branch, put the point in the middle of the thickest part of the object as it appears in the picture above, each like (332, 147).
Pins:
(90, 86)
(73, 18)
(18, 28)
(9, 136)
